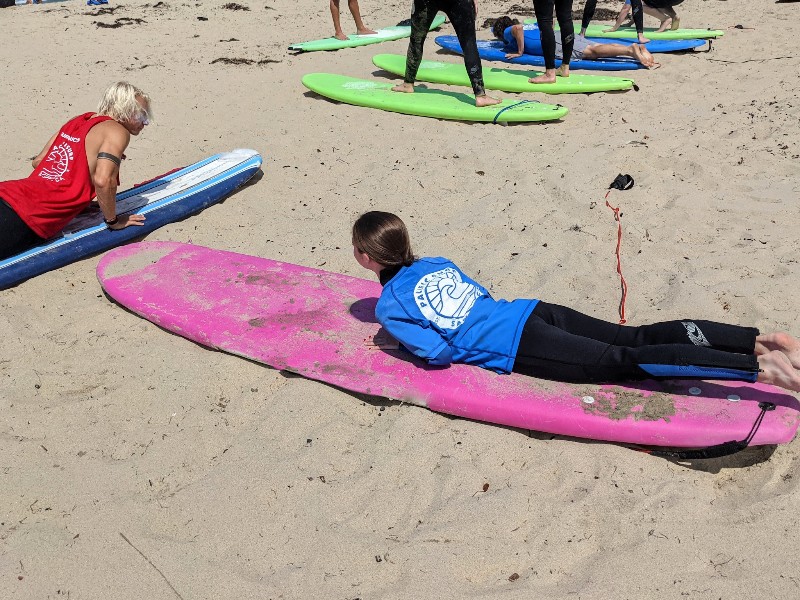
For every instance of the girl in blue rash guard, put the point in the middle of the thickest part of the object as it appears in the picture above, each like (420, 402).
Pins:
(441, 315)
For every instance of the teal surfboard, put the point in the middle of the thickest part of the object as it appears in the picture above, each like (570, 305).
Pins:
(423, 102)
(506, 80)
(629, 33)
(386, 34)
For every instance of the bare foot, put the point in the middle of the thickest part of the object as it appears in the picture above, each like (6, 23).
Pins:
(404, 87)
(549, 76)
(340, 35)
(486, 100)
(562, 71)
(666, 23)
(781, 341)
(642, 39)
(777, 370)
(676, 24)
(643, 55)
(366, 31)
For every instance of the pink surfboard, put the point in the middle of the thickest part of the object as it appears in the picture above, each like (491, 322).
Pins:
(322, 325)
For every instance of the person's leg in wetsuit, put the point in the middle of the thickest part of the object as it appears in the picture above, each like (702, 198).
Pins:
(422, 15)
(563, 344)
(16, 235)
(462, 15)
(588, 15)
(544, 18)
(564, 17)
(638, 20)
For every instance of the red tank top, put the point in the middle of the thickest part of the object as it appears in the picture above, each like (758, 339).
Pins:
(60, 187)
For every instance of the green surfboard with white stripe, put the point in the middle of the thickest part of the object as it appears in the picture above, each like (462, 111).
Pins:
(439, 104)
(385, 34)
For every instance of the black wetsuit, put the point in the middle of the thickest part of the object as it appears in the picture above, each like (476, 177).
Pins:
(544, 17)
(563, 344)
(462, 15)
(15, 235)
(636, 9)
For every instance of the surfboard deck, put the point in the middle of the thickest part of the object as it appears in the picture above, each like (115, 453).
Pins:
(495, 50)
(322, 325)
(597, 30)
(163, 200)
(384, 34)
(506, 80)
(424, 102)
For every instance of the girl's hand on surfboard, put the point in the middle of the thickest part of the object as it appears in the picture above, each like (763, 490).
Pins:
(124, 221)
(514, 55)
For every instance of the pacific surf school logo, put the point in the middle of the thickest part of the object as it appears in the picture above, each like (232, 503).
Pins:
(445, 299)
(57, 162)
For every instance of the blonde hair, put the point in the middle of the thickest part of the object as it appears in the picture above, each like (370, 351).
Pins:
(119, 102)
(384, 238)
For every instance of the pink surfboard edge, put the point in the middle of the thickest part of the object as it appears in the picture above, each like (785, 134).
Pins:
(635, 413)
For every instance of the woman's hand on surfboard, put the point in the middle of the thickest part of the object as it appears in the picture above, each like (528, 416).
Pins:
(124, 221)
(514, 55)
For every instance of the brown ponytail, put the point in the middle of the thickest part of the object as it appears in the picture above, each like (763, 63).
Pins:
(384, 238)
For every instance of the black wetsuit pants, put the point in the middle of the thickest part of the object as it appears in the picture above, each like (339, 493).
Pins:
(544, 17)
(15, 235)
(462, 15)
(636, 8)
(562, 344)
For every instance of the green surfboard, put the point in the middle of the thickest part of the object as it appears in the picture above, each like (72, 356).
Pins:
(506, 80)
(386, 34)
(629, 33)
(424, 102)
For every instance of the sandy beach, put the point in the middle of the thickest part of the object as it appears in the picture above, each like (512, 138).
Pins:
(136, 464)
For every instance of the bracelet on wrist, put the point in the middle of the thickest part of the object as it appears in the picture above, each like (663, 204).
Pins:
(110, 222)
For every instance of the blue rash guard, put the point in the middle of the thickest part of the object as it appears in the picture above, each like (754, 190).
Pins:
(443, 316)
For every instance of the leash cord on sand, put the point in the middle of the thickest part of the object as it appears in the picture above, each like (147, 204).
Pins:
(501, 111)
(719, 450)
(623, 283)
(150, 562)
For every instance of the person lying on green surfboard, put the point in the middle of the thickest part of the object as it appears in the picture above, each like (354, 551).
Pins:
(513, 34)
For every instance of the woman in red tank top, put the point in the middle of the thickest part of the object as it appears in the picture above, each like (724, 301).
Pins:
(80, 162)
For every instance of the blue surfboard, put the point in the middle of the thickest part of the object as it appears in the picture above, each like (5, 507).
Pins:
(163, 200)
(654, 46)
(495, 50)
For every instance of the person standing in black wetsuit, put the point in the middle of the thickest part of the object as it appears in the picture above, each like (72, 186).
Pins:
(544, 17)
(462, 14)
(638, 18)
